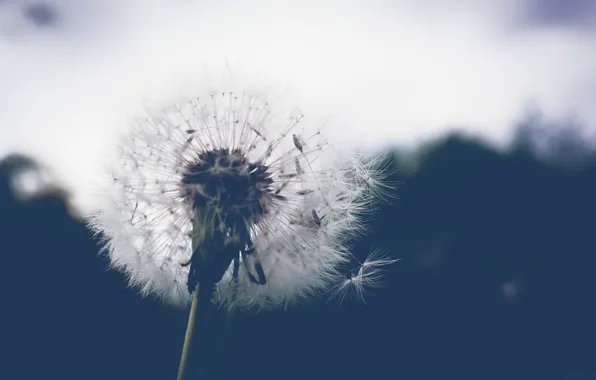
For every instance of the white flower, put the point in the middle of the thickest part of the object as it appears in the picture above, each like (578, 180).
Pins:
(267, 201)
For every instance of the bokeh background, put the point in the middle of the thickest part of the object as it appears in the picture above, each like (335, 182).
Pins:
(486, 108)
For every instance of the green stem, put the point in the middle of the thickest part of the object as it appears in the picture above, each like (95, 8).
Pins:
(201, 300)
(190, 327)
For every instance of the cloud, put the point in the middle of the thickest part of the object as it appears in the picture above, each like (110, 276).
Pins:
(386, 72)
(575, 14)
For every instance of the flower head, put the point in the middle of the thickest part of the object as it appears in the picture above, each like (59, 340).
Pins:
(227, 189)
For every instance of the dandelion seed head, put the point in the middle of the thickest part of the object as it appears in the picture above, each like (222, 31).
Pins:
(222, 163)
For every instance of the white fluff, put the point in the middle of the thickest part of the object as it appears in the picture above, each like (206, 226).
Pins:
(145, 222)
(367, 275)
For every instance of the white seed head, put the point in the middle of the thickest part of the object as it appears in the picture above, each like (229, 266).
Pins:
(307, 198)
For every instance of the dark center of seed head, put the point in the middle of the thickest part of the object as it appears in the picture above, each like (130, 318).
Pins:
(225, 182)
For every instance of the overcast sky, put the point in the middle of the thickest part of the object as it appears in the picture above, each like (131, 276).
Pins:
(383, 71)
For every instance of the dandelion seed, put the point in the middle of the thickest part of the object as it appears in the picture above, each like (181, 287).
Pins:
(225, 189)
(366, 275)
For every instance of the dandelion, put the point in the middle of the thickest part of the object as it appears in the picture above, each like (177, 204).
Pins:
(227, 195)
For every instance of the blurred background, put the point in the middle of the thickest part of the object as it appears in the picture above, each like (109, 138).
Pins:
(486, 108)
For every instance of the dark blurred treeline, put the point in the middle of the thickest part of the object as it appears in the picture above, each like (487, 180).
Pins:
(496, 281)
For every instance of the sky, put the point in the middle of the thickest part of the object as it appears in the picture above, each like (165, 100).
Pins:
(382, 72)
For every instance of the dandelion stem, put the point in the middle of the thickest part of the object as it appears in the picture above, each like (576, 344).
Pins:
(190, 327)
(200, 302)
